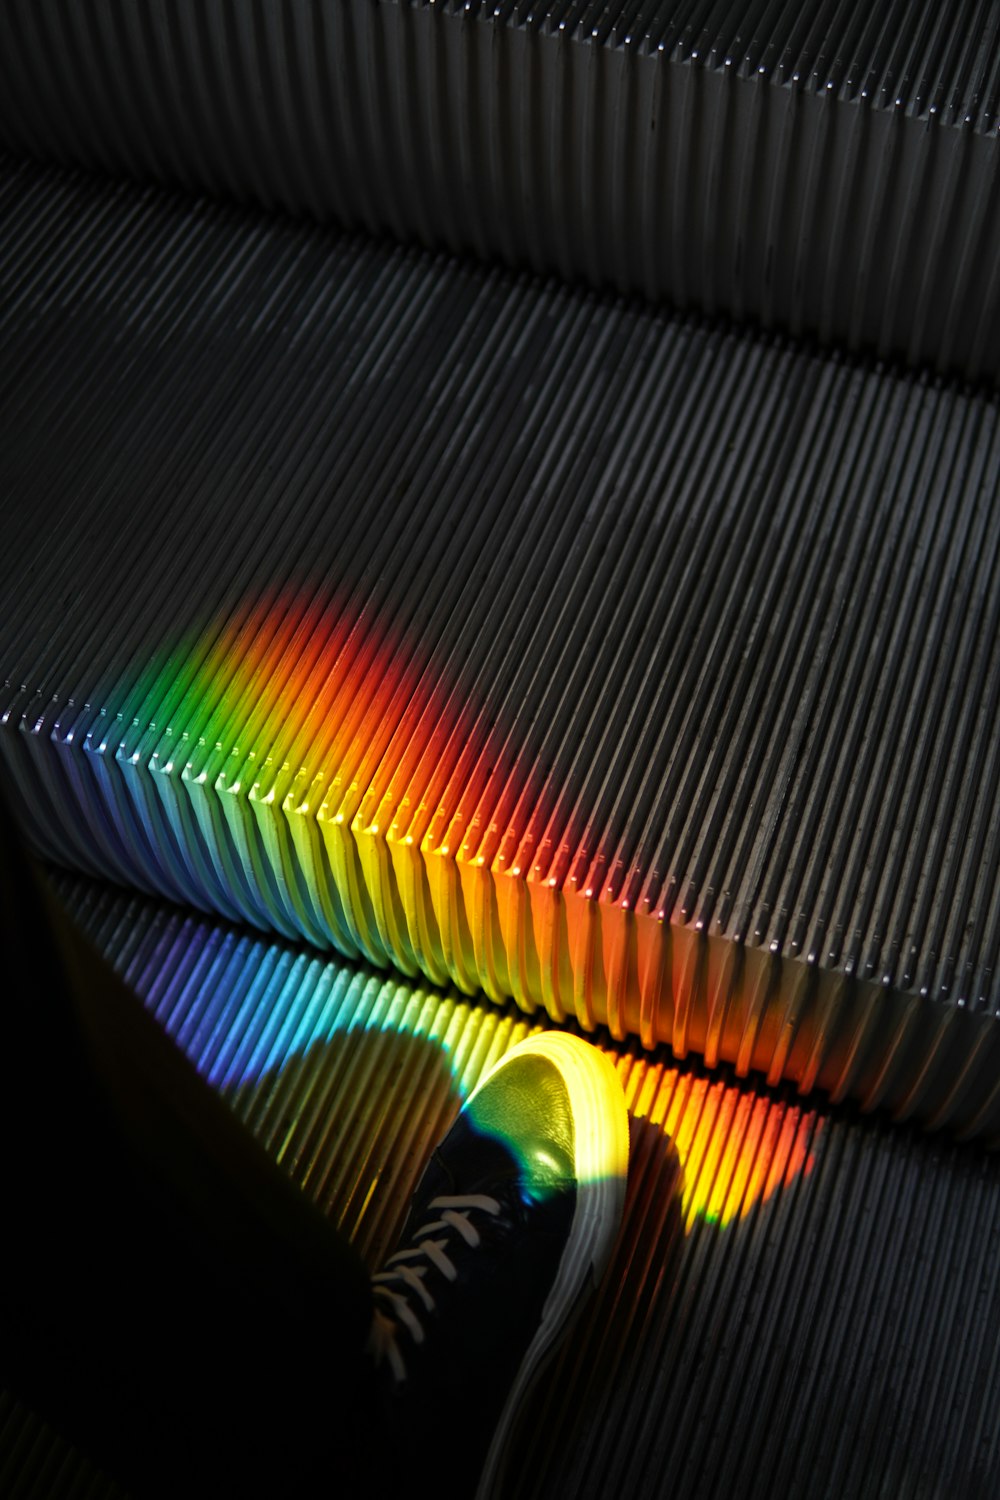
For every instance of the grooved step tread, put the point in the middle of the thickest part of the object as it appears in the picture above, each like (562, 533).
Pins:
(636, 667)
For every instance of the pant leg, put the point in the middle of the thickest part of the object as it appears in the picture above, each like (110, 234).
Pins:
(170, 1299)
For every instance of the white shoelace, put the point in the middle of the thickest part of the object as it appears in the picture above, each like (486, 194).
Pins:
(408, 1268)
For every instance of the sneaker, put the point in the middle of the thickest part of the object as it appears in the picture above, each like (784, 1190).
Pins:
(512, 1223)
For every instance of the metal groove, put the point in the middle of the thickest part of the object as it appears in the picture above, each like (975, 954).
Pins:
(635, 667)
(829, 170)
(801, 1302)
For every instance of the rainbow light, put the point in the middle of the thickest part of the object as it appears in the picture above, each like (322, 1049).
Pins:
(299, 765)
(254, 1016)
(736, 1146)
(246, 753)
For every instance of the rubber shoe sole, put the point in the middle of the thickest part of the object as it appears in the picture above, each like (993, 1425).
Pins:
(601, 1129)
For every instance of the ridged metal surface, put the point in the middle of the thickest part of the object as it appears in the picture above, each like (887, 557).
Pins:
(36, 1461)
(533, 641)
(802, 1303)
(828, 168)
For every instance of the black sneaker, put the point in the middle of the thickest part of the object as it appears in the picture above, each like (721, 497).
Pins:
(511, 1224)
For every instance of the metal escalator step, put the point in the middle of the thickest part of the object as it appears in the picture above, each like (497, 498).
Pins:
(829, 168)
(37, 1461)
(802, 1302)
(640, 668)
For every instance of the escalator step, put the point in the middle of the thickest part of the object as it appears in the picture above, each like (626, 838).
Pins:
(828, 168)
(634, 666)
(801, 1303)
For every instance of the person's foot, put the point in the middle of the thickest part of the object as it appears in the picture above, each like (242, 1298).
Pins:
(511, 1224)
